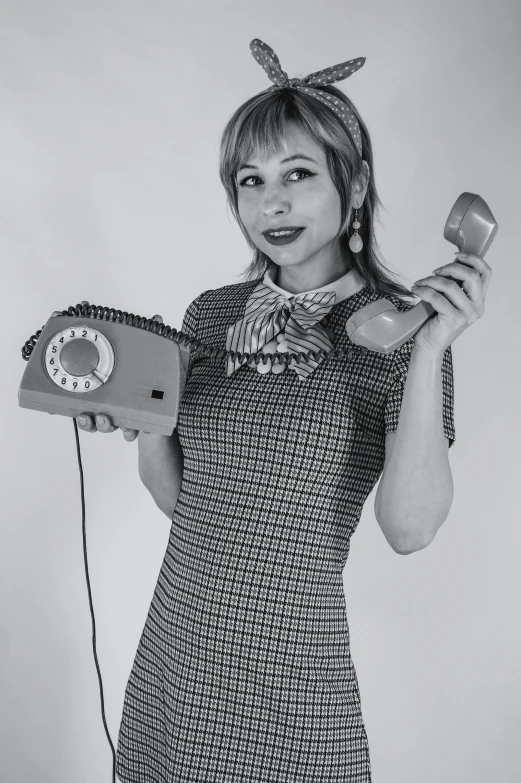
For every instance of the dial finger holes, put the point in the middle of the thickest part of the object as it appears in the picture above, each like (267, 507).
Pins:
(79, 359)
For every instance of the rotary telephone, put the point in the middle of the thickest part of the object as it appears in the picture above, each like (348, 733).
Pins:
(89, 358)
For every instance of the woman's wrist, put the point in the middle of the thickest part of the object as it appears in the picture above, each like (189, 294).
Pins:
(150, 441)
(427, 354)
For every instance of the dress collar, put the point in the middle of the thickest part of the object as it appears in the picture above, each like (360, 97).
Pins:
(345, 286)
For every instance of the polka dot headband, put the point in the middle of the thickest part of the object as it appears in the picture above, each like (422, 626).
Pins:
(311, 84)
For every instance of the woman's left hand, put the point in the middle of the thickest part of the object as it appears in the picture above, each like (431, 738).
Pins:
(457, 307)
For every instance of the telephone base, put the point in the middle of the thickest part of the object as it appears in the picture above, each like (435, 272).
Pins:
(138, 382)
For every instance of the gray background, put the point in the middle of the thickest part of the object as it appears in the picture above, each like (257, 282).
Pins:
(109, 129)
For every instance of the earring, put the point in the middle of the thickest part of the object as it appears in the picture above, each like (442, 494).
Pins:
(356, 242)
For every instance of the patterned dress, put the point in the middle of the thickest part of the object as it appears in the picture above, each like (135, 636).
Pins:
(243, 672)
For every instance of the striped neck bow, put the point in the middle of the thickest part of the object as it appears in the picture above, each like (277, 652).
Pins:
(283, 325)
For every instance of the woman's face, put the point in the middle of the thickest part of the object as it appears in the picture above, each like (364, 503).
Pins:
(277, 192)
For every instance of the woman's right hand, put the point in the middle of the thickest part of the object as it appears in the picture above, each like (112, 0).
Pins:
(102, 423)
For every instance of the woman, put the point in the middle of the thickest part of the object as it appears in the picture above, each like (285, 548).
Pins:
(243, 671)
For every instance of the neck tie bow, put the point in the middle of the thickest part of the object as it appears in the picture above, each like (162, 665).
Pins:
(268, 314)
(313, 83)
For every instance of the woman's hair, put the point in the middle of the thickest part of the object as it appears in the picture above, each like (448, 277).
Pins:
(259, 126)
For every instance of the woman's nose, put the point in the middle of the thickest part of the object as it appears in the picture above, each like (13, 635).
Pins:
(275, 202)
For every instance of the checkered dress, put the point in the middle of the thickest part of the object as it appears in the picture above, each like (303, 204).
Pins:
(243, 672)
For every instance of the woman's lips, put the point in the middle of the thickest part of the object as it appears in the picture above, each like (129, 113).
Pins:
(284, 240)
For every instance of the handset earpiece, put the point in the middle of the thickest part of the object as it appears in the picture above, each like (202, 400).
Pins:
(379, 326)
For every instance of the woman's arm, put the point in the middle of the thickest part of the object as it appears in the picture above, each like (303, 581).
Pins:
(160, 460)
(415, 492)
(160, 464)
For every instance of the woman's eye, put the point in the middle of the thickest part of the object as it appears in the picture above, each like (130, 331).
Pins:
(297, 171)
(302, 171)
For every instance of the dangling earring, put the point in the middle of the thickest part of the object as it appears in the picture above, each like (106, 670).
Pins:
(356, 242)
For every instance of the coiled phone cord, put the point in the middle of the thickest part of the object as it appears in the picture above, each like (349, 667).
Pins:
(86, 310)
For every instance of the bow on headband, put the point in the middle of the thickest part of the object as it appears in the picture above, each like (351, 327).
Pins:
(292, 321)
(312, 83)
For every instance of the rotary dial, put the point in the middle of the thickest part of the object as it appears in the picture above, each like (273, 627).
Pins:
(79, 359)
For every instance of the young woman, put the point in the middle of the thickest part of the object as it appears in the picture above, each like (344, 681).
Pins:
(243, 672)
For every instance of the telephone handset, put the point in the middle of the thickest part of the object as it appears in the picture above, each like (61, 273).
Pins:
(100, 360)
(379, 326)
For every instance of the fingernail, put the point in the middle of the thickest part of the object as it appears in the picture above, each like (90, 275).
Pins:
(82, 420)
(462, 255)
(101, 419)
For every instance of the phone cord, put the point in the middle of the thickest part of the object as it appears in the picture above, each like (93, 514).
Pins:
(100, 313)
(82, 490)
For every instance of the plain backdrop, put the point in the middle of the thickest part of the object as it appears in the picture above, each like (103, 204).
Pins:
(109, 129)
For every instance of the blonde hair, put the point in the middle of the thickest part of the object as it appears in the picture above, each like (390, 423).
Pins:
(259, 125)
